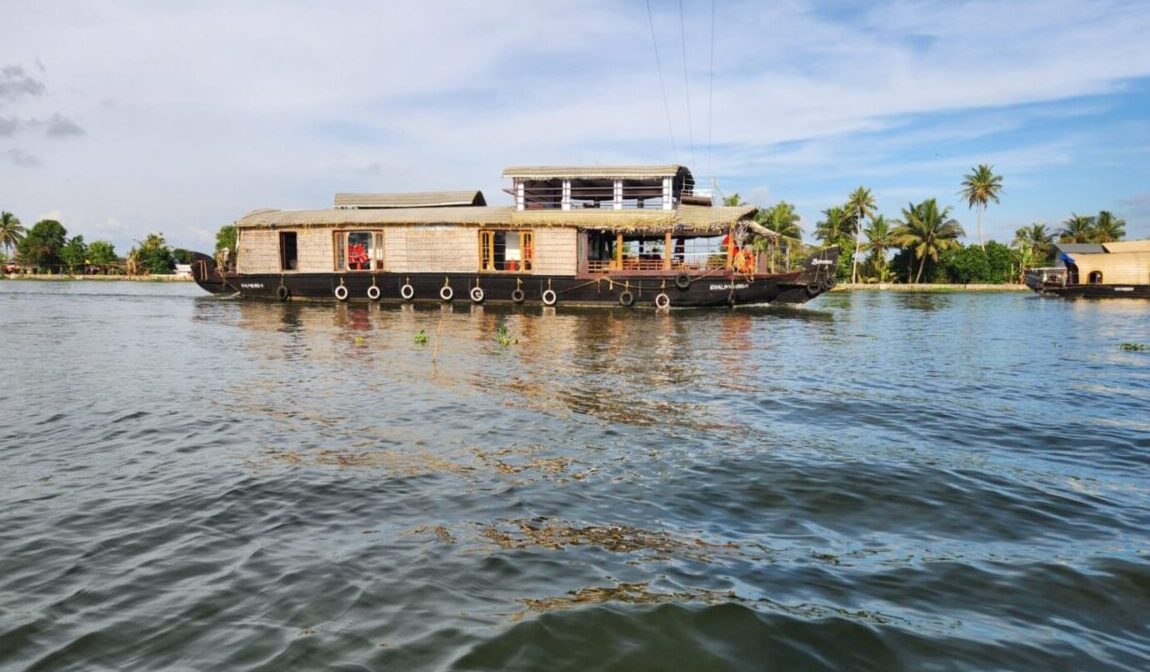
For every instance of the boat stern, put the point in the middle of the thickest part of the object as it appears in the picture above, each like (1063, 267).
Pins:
(208, 276)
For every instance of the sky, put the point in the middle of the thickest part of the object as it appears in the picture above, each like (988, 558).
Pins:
(122, 118)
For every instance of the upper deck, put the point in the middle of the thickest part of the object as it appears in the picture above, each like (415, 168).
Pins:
(662, 187)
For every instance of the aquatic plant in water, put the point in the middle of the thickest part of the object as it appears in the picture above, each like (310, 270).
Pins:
(504, 337)
(421, 337)
(1134, 347)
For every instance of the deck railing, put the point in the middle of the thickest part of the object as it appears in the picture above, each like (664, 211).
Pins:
(1039, 278)
(684, 263)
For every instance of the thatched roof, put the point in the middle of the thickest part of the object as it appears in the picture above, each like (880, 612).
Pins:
(336, 217)
(427, 199)
(594, 172)
(1128, 246)
(693, 218)
(687, 218)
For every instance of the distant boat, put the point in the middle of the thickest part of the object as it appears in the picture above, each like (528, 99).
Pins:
(606, 235)
(1103, 270)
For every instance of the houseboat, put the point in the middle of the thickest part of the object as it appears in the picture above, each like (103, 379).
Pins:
(1096, 271)
(606, 235)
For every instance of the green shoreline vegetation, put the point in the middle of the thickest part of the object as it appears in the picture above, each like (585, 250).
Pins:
(918, 251)
(46, 252)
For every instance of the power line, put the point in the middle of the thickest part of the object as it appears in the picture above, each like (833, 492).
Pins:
(659, 64)
(686, 86)
(711, 90)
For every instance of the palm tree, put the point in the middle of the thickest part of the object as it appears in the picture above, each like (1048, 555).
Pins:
(783, 220)
(860, 205)
(835, 226)
(11, 232)
(1077, 229)
(880, 238)
(1035, 238)
(1108, 228)
(928, 231)
(979, 188)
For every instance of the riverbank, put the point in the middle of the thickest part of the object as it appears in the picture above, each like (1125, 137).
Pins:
(104, 278)
(927, 287)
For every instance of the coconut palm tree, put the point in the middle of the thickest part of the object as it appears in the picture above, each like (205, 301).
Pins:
(11, 232)
(1077, 229)
(980, 187)
(860, 205)
(782, 219)
(927, 230)
(1036, 238)
(880, 238)
(835, 227)
(1108, 228)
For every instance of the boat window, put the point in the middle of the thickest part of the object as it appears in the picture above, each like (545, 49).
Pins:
(358, 250)
(289, 252)
(1096, 277)
(506, 250)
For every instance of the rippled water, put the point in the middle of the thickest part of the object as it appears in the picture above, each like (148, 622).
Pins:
(874, 481)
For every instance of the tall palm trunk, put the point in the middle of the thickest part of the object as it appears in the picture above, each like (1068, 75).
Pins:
(981, 207)
(921, 265)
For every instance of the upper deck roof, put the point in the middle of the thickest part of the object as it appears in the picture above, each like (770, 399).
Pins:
(1080, 248)
(426, 199)
(595, 172)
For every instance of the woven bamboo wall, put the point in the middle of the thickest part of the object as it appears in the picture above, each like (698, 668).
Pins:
(431, 249)
(258, 251)
(315, 250)
(555, 251)
(407, 249)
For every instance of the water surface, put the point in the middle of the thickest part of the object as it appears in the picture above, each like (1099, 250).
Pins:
(873, 481)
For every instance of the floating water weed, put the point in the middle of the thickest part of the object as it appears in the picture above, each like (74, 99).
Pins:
(1134, 347)
(421, 338)
(504, 337)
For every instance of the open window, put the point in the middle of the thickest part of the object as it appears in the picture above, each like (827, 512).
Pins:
(358, 250)
(289, 251)
(511, 251)
(1095, 277)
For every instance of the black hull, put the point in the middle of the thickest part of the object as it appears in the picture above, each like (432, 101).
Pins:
(1096, 291)
(712, 289)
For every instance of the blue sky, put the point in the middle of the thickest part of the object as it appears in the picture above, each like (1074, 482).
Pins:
(123, 117)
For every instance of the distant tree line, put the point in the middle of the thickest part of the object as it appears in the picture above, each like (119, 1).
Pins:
(922, 245)
(46, 248)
